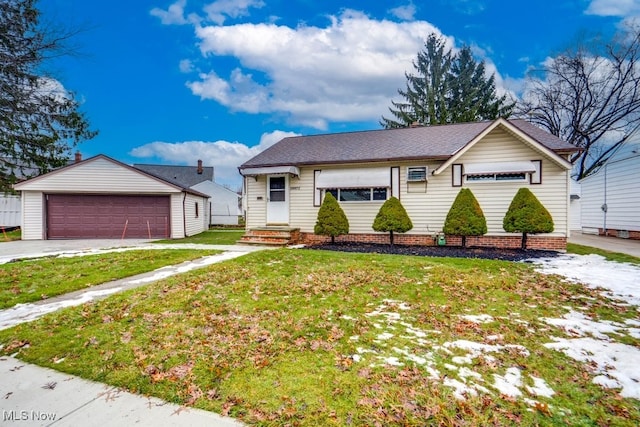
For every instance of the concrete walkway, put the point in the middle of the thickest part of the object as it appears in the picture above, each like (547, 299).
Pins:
(34, 396)
(613, 244)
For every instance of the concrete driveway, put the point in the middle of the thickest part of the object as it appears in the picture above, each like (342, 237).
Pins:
(33, 248)
(613, 244)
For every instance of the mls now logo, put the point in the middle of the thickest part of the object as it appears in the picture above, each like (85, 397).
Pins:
(28, 416)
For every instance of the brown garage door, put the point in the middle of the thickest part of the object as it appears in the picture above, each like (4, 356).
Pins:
(72, 216)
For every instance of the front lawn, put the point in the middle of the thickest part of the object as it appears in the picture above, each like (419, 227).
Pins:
(210, 237)
(309, 338)
(32, 280)
(9, 236)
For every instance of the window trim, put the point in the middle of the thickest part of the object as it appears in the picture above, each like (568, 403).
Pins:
(371, 194)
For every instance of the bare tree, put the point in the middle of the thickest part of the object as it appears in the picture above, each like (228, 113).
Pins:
(590, 97)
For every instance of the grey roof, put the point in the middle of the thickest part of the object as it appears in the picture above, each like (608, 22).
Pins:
(428, 142)
(184, 176)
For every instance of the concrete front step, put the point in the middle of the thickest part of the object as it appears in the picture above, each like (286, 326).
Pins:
(275, 236)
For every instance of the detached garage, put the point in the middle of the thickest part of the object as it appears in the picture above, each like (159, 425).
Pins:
(103, 198)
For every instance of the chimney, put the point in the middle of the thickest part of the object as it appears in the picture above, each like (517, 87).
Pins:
(199, 167)
(78, 158)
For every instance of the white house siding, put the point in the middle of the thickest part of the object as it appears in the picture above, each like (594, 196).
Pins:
(195, 224)
(224, 203)
(616, 184)
(428, 210)
(32, 215)
(495, 197)
(256, 196)
(10, 211)
(97, 176)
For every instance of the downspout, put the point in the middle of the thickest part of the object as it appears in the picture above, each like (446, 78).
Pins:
(184, 213)
(604, 207)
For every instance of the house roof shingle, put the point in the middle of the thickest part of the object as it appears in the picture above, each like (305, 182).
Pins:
(184, 176)
(430, 142)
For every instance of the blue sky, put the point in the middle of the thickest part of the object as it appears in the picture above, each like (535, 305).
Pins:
(174, 81)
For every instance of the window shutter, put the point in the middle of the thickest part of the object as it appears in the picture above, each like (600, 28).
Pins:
(536, 177)
(456, 178)
(317, 193)
(395, 182)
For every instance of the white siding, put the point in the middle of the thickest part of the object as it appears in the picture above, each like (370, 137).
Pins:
(256, 196)
(195, 224)
(224, 203)
(97, 176)
(177, 218)
(428, 207)
(32, 215)
(10, 211)
(616, 184)
(495, 197)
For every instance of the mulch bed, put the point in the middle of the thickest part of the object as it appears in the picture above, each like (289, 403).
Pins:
(437, 251)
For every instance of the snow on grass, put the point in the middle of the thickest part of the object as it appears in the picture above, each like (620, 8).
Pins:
(616, 364)
(621, 280)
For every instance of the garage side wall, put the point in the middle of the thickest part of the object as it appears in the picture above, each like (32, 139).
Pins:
(195, 208)
(32, 215)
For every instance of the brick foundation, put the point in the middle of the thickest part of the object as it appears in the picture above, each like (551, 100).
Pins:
(504, 242)
(633, 234)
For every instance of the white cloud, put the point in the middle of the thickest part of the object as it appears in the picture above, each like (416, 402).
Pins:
(622, 8)
(406, 12)
(220, 10)
(346, 71)
(172, 16)
(186, 66)
(224, 156)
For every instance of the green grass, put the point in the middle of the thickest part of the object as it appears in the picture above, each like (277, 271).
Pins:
(211, 237)
(9, 236)
(300, 337)
(32, 280)
(611, 256)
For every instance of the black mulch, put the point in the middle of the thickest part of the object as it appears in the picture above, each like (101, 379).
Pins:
(437, 251)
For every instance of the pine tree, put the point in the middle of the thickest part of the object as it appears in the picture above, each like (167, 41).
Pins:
(465, 218)
(39, 119)
(331, 220)
(392, 217)
(527, 215)
(447, 88)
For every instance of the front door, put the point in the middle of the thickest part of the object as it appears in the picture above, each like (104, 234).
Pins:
(278, 199)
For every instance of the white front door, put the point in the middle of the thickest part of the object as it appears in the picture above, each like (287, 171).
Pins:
(278, 199)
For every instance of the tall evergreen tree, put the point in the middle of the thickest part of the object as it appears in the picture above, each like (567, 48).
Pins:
(447, 88)
(39, 120)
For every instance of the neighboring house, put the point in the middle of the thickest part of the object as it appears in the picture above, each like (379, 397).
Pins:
(609, 198)
(103, 198)
(424, 167)
(223, 206)
(575, 206)
(10, 211)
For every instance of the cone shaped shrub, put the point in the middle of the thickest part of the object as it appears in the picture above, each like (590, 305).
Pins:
(331, 220)
(527, 215)
(392, 217)
(465, 218)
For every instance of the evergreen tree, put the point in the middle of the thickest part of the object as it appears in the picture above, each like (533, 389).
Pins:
(39, 119)
(465, 218)
(446, 88)
(331, 220)
(527, 215)
(392, 217)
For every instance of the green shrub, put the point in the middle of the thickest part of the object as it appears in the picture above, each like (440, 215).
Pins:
(465, 218)
(527, 215)
(392, 217)
(331, 219)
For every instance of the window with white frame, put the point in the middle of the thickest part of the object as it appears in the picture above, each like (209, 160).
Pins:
(359, 194)
(499, 171)
(417, 173)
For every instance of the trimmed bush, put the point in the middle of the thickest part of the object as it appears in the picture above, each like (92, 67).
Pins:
(392, 217)
(332, 220)
(465, 218)
(527, 215)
